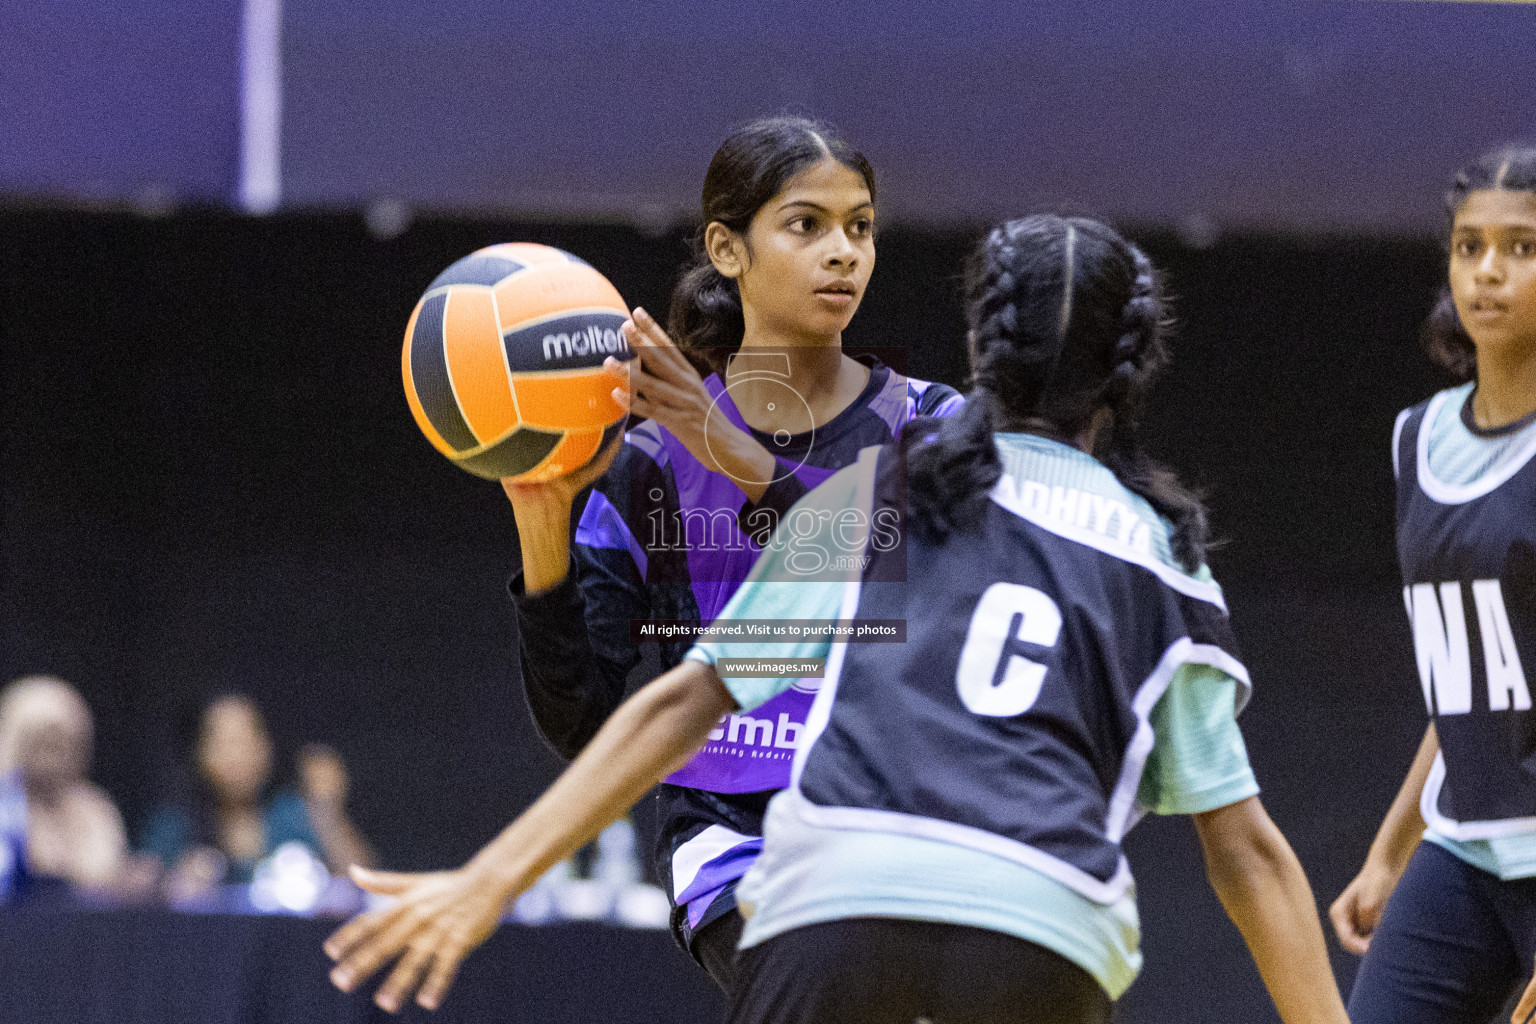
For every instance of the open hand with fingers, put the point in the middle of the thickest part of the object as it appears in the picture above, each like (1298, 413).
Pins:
(666, 388)
(437, 920)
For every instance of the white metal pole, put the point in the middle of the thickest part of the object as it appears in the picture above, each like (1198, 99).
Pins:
(261, 106)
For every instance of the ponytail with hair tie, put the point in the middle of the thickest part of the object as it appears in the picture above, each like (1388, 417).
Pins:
(706, 317)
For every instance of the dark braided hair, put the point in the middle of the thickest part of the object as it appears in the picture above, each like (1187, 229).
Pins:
(751, 167)
(1445, 339)
(1067, 323)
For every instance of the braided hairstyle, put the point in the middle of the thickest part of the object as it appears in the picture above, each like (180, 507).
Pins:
(1067, 324)
(751, 167)
(1445, 339)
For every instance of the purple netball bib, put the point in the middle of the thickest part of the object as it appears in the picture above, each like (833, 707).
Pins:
(747, 753)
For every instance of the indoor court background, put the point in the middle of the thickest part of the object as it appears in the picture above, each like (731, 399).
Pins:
(209, 478)
(221, 488)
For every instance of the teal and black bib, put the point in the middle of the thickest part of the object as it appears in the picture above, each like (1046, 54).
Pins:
(1467, 549)
(1015, 717)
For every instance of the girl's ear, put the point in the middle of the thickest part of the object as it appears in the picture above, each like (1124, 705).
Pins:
(726, 250)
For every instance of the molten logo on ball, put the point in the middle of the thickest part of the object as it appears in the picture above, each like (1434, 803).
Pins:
(503, 362)
(582, 343)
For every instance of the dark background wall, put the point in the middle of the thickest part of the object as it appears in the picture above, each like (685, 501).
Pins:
(209, 479)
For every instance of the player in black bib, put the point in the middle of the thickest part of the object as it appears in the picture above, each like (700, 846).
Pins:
(949, 845)
(1448, 925)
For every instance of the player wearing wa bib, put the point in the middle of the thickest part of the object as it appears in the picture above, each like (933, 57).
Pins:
(1060, 677)
(1447, 926)
(1466, 539)
(1460, 926)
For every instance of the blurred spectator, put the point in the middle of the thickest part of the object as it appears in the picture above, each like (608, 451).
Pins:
(73, 830)
(232, 816)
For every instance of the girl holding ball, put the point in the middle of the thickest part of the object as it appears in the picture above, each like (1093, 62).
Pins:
(749, 402)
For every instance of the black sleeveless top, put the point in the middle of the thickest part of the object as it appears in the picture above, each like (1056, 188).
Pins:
(1015, 717)
(1468, 559)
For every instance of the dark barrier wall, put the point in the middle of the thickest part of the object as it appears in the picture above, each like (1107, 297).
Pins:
(209, 480)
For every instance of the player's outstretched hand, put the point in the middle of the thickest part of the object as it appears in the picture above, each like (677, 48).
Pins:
(1357, 911)
(437, 919)
(664, 385)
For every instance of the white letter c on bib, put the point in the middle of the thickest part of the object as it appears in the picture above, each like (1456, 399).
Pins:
(994, 677)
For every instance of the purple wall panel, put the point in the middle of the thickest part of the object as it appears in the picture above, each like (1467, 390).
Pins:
(119, 99)
(1300, 115)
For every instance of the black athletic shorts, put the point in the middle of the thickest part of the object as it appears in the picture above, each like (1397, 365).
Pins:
(873, 970)
(1453, 945)
(714, 947)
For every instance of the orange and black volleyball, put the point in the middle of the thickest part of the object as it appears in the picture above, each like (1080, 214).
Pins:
(503, 362)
